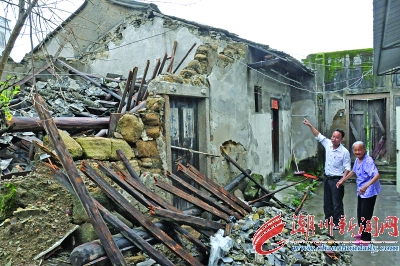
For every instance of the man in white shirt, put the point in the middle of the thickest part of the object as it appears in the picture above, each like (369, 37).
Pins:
(337, 165)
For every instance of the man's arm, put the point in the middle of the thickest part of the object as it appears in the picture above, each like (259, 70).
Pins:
(313, 129)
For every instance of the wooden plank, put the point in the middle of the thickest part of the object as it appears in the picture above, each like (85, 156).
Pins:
(114, 118)
(140, 90)
(132, 88)
(135, 236)
(195, 201)
(354, 131)
(127, 88)
(218, 187)
(356, 112)
(137, 215)
(183, 59)
(162, 63)
(171, 63)
(202, 195)
(34, 124)
(181, 218)
(211, 189)
(114, 254)
(379, 122)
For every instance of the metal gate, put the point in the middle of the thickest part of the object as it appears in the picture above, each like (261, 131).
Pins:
(367, 123)
(184, 134)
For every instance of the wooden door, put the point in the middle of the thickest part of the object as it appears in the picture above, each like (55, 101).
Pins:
(367, 123)
(184, 134)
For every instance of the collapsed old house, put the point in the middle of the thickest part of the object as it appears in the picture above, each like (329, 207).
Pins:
(169, 93)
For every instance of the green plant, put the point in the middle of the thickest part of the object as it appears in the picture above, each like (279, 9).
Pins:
(296, 201)
(7, 199)
(7, 92)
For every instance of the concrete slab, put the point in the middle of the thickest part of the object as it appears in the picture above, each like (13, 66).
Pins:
(387, 204)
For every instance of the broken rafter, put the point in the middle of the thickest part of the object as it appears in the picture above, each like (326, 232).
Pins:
(114, 254)
(171, 63)
(143, 220)
(138, 186)
(140, 90)
(34, 124)
(211, 189)
(218, 187)
(181, 218)
(127, 86)
(226, 156)
(131, 89)
(202, 195)
(183, 59)
(127, 232)
(191, 199)
(163, 63)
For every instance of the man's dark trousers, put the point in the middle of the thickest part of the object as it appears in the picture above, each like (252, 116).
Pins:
(333, 199)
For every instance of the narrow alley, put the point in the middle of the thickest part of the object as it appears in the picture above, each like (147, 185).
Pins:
(387, 204)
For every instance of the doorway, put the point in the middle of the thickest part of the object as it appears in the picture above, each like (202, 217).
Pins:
(183, 134)
(368, 122)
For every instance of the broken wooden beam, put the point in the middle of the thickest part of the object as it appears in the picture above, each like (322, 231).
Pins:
(127, 165)
(127, 88)
(303, 200)
(131, 90)
(138, 186)
(211, 189)
(171, 63)
(273, 192)
(191, 199)
(236, 181)
(93, 250)
(183, 59)
(218, 187)
(226, 156)
(202, 195)
(140, 90)
(138, 216)
(34, 124)
(129, 234)
(180, 218)
(113, 253)
(163, 63)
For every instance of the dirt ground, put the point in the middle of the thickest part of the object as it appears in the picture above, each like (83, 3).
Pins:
(39, 229)
(46, 218)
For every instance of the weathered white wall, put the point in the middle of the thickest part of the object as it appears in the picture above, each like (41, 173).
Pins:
(150, 41)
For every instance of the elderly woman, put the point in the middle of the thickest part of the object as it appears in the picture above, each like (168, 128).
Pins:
(368, 187)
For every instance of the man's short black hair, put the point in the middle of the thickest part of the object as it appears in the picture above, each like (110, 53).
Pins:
(341, 131)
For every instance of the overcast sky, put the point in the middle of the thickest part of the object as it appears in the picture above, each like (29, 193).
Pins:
(296, 27)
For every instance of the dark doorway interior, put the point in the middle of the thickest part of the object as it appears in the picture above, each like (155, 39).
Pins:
(184, 134)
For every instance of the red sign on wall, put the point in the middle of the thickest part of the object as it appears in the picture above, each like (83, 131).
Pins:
(274, 104)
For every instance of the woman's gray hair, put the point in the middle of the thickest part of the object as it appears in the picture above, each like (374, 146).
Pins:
(358, 143)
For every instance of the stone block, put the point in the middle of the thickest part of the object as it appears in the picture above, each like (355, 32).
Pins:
(153, 132)
(155, 103)
(73, 147)
(117, 144)
(151, 119)
(97, 148)
(130, 127)
(146, 148)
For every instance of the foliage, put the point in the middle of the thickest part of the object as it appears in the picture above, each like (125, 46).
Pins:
(7, 92)
(7, 199)
(296, 201)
